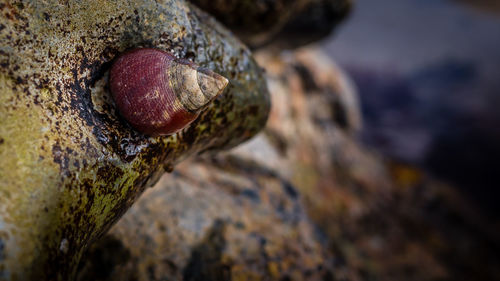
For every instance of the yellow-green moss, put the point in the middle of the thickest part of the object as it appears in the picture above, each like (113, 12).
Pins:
(69, 167)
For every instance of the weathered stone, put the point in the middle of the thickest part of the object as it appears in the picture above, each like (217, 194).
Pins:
(315, 21)
(381, 220)
(238, 216)
(242, 215)
(219, 219)
(286, 23)
(69, 165)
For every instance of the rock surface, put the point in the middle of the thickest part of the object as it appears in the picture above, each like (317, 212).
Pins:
(282, 23)
(302, 201)
(429, 96)
(491, 6)
(315, 21)
(69, 165)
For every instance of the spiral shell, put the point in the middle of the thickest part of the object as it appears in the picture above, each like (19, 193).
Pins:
(159, 94)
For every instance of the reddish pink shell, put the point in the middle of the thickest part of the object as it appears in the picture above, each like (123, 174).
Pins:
(148, 87)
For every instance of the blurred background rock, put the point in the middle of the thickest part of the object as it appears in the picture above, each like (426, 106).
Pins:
(380, 166)
(428, 73)
(301, 201)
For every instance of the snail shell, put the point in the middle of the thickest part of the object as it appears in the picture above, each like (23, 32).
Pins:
(159, 94)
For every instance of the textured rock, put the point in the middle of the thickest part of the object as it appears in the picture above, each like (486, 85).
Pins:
(302, 201)
(383, 221)
(253, 21)
(286, 23)
(315, 21)
(236, 216)
(221, 219)
(69, 165)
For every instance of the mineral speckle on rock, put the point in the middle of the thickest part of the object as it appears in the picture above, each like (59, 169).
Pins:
(69, 165)
(301, 201)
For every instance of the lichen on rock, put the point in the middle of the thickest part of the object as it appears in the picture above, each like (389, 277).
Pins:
(69, 165)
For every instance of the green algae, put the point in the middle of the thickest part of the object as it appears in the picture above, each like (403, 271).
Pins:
(71, 167)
